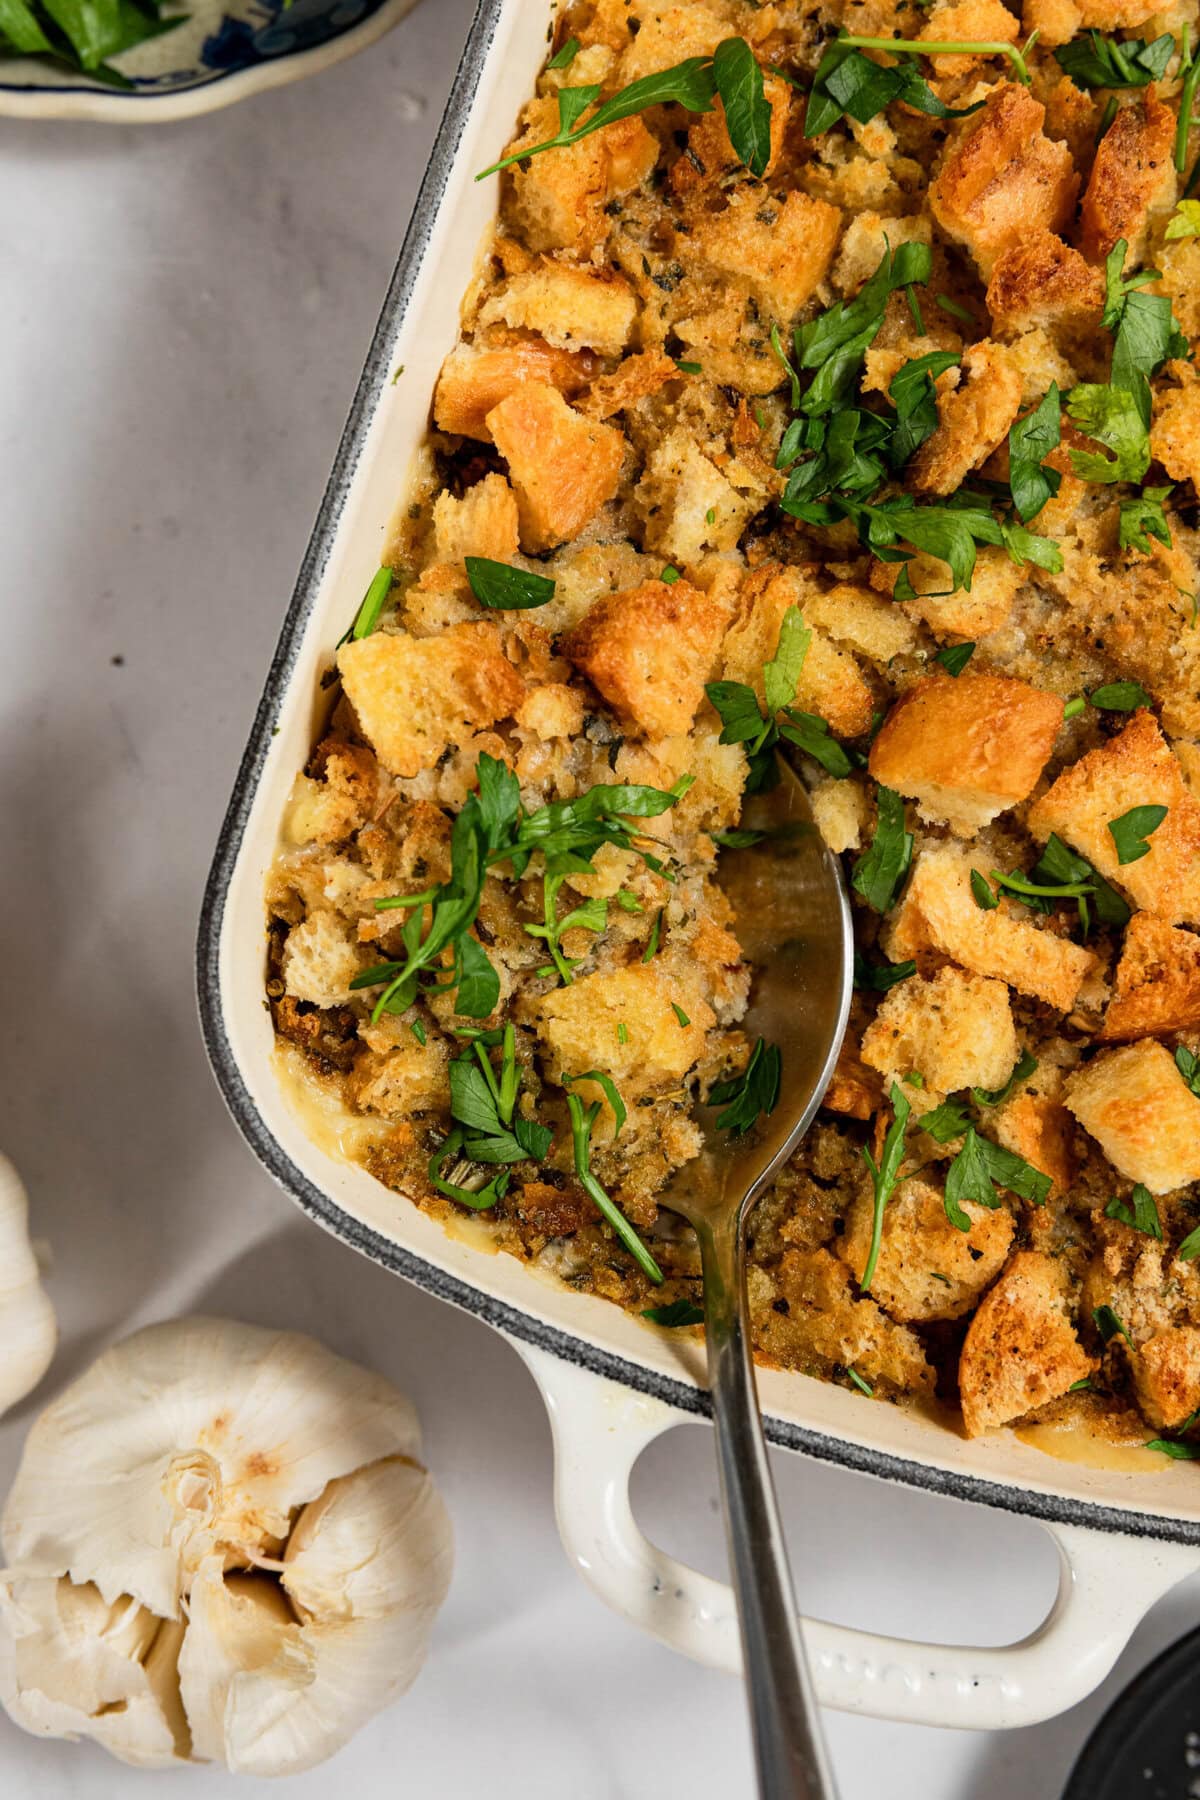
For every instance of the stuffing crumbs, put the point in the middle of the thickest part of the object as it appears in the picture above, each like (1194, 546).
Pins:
(829, 392)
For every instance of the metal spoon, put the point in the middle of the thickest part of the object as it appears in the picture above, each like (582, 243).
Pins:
(793, 921)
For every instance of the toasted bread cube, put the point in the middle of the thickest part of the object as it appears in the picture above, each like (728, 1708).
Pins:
(578, 1025)
(854, 1090)
(967, 21)
(1136, 768)
(472, 382)
(557, 201)
(1020, 1350)
(841, 812)
(858, 618)
(1133, 175)
(570, 306)
(1059, 20)
(632, 380)
(563, 467)
(665, 36)
(1002, 179)
(405, 1078)
(1141, 1112)
(688, 505)
(1180, 264)
(415, 696)
(1040, 280)
(1175, 433)
(782, 252)
(866, 237)
(321, 959)
(961, 614)
(338, 800)
(1036, 1125)
(1166, 1374)
(1157, 985)
(830, 682)
(551, 710)
(927, 1268)
(966, 749)
(714, 800)
(973, 419)
(939, 912)
(650, 651)
(482, 523)
(955, 1030)
(824, 1328)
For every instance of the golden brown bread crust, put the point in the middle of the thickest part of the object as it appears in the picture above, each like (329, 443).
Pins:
(1157, 984)
(1132, 174)
(1020, 1350)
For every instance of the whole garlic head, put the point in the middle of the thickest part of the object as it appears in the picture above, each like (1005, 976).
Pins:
(220, 1546)
(27, 1329)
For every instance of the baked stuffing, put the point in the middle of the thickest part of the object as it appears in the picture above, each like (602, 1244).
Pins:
(827, 397)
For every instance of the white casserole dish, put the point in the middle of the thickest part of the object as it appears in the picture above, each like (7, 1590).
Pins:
(611, 1383)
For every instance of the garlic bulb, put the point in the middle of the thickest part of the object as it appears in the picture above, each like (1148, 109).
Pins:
(27, 1330)
(221, 1547)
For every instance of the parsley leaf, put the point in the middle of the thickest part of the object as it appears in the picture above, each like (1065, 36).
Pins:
(367, 616)
(1186, 221)
(1130, 832)
(678, 1312)
(1143, 518)
(985, 1165)
(1113, 417)
(851, 84)
(1058, 864)
(739, 82)
(1175, 1448)
(782, 674)
(562, 59)
(884, 1176)
(1093, 61)
(754, 1091)
(985, 895)
(497, 584)
(863, 1386)
(882, 867)
(1030, 441)
(914, 396)
(810, 733)
(994, 1096)
(1141, 1216)
(968, 1179)
(690, 84)
(486, 1128)
(737, 706)
(1120, 696)
(946, 1122)
(836, 341)
(591, 915)
(955, 657)
(583, 1120)
(1108, 1325)
(879, 977)
(1188, 1065)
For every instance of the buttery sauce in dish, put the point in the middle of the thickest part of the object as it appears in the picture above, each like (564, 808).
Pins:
(827, 385)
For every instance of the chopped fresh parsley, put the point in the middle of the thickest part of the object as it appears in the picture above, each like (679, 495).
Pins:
(879, 977)
(1074, 707)
(583, 1119)
(590, 915)
(669, 575)
(1108, 1325)
(848, 84)
(693, 368)
(1026, 1065)
(955, 657)
(883, 865)
(680, 1014)
(1120, 696)
(781, 674)
(731, 71)
(1117, 414)
(367, 616)
(1093, 61)
(1189, 1250)
(884, 1176)
(1143, 518)
(1030, 442)
(742, 722)
(486, 1126)
(1130, 832)
(499, 586)
(1188, 1065)
(1112, 416)
(1142, 1215)
(562, 59)
(946, 1122)
(755, 1091)
(418, 1031)
(622, 1032)
(1175, 1448)
(1186, 221)
(977, 1170)
(651, 950)
(864, 1387)
(677, 1313)
(1083, 1385)
(985, 895)
(1058, 864)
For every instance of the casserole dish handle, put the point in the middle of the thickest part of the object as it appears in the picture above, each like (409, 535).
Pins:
(1107, 1583)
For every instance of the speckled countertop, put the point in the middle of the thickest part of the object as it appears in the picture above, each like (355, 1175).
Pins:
(184, 310)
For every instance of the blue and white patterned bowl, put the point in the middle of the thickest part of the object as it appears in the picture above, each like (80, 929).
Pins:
(222, 51)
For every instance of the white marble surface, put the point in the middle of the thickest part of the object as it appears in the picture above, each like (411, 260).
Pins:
(184, 311)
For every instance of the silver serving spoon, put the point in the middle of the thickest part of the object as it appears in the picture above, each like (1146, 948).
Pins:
(793, 922)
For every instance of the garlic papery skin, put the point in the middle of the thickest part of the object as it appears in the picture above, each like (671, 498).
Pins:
(269, 1688)
(28, 1332)
(220, 1546)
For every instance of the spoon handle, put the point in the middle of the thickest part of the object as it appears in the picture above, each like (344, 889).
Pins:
(789, 1748)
